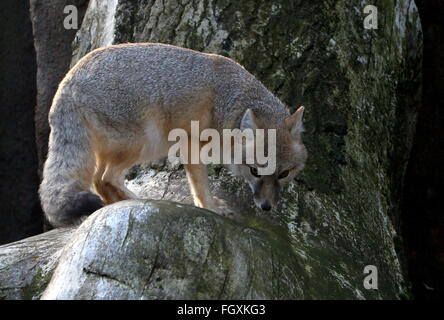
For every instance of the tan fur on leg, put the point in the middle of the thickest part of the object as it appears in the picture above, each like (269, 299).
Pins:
(198, 179)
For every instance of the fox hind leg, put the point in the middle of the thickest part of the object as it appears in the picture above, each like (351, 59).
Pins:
(109, 178)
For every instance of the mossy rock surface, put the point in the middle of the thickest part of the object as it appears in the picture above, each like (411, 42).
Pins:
(164, 250)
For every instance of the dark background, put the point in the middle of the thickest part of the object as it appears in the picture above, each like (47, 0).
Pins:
(23, 134)
(422, 209)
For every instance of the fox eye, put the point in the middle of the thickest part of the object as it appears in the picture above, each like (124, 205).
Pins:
(284, 174)
(254, 172)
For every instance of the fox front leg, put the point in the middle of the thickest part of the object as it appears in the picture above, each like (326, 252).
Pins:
(197, 175)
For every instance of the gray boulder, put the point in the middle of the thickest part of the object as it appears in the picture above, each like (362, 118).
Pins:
(165, 250)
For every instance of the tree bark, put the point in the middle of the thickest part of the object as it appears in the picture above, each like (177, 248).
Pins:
(53, 53)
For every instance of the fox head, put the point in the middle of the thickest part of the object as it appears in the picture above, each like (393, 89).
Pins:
(290, 156)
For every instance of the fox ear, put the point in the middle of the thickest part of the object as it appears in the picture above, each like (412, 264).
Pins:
(248, 120)
(294, 123)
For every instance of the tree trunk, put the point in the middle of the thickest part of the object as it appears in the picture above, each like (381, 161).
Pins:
(361, 92)
(20, 214)
(53, 53)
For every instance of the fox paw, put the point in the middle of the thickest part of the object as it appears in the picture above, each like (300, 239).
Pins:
(222, 208)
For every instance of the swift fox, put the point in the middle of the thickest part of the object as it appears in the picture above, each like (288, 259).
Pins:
(115, 107)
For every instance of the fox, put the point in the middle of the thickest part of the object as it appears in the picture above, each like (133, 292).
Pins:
(114, 110)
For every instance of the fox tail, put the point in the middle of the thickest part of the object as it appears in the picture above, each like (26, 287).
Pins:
(67, 175)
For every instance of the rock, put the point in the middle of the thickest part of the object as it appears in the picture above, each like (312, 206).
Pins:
(26, 266)
(163, 250)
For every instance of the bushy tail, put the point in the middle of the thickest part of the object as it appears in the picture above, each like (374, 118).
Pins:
(68, 170)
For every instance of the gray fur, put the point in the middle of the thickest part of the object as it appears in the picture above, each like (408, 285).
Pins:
(113, 94)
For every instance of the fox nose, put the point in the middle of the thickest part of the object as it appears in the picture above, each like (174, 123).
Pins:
(266, 206)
